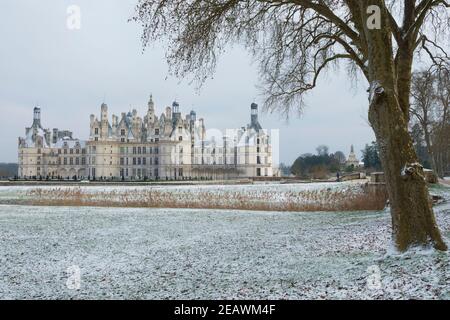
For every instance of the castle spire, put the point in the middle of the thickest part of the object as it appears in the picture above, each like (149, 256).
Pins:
(151, 104)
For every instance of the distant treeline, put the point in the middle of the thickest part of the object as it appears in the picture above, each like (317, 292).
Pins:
(8, 170)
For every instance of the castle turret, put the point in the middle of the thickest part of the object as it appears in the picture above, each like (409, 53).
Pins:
(254, 122)
(254, 113)
(37, 117)
(151, 110)
(115, 120)
(151, 104)
(104, 120)
(176, 115)
(168, 113)
(192, 119)
(55, 135)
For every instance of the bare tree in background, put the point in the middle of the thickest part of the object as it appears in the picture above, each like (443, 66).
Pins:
(295, 41)
(423, 107)
(441, 135)
(431, 94)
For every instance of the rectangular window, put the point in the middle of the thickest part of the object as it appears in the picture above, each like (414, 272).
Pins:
(134, 161)
(144, 161)
(122, 161)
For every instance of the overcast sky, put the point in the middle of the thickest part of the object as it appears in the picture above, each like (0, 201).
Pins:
(70, 72)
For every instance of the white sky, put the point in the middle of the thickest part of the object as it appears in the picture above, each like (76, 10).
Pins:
(69, 72)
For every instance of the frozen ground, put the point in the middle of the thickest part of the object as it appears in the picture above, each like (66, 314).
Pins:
(212, 254)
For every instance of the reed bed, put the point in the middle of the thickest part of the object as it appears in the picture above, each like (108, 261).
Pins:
(348, 199)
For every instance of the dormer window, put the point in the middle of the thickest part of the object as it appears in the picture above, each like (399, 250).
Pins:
(180, 138)
(157, 132)
(96, 131)
(122, 132)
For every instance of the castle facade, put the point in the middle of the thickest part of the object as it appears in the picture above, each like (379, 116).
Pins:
(130, 147)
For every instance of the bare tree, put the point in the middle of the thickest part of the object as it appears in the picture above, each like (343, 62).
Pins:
(322, 150)
(430, 93)
(340, 157)
(423, 92)
(295, 41)
(441, 134)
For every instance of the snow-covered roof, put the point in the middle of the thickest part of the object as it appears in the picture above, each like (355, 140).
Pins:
(69, 143)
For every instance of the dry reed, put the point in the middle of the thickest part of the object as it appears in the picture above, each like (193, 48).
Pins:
(310, 200)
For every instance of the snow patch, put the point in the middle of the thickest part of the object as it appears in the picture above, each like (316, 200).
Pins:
(375, 89)
(410, 168)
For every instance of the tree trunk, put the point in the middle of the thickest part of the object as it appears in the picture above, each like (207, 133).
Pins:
(413, 221)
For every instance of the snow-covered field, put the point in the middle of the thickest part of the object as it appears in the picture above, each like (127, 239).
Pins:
(211, 254)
